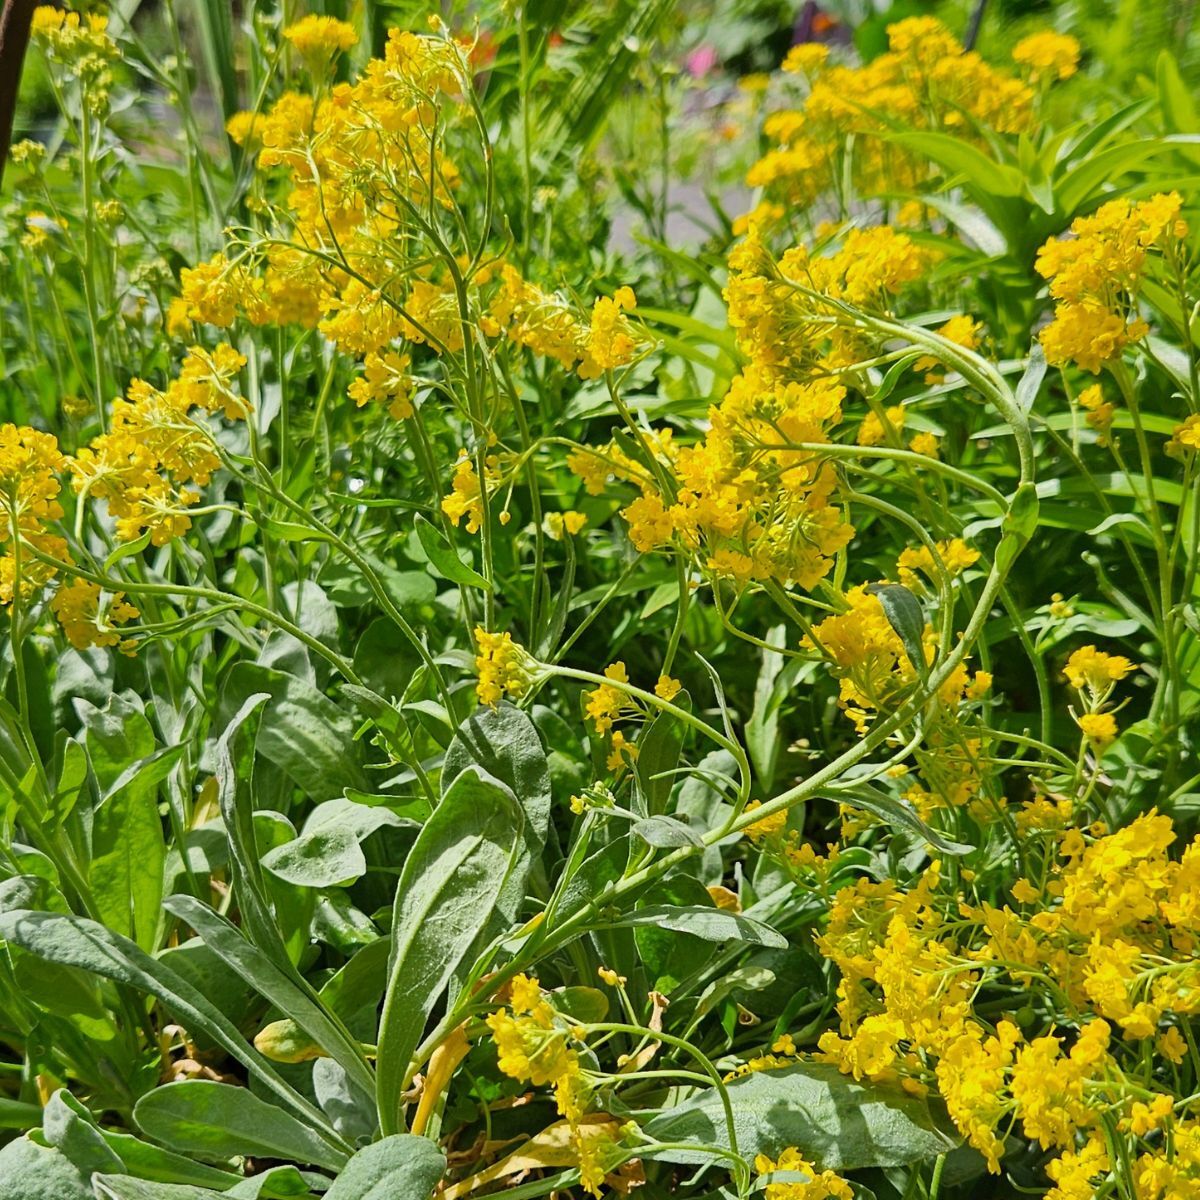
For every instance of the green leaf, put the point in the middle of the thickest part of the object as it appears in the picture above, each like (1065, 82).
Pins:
(126, 550)
(455, 875)
(72, 777)
(128, 849)
(905, 616)
(147, 1161)
(711, 924)
(658, 756)
(504, 742)
(236, 754)
(865, 796)
(1031, 380)
(666, 833)
(34, 1172)
(301, 731)
(77, 942)
(326, 858)
(445, 558)
(218, 1120)
(279, 983)
(68, 1126)
(961, 158)
(840, 1125)
(399, 1167)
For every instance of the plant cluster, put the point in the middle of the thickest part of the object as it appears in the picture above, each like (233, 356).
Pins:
(489, 713)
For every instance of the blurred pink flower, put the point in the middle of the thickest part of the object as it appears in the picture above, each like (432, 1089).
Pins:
(701, 61)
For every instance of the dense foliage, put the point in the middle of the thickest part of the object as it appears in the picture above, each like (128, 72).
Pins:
(520, 681)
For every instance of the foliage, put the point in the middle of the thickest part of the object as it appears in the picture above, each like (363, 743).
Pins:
(507, 699)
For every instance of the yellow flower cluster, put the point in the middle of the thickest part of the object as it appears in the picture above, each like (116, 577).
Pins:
(753, 500)
(1112, 927)
(820, 1185)
(156, 448)
(926, 81)
(536, 1045)
(30, 463)
(29, 489)
(1095, 275)
(1047, 55)
(80, 47)
(608, 703)
(319, 38)
(544, 323)
(503, 667)
(88, 615)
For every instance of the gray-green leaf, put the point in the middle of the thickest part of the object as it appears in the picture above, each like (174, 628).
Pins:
(836, 1123)
(217, 1120)
(400, 1167)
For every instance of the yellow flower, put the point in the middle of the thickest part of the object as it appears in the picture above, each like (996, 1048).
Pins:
(819, 1185)
(504, 667)
(1100, 412)
(531, 1046)
(1185, 438)
(319, 38)
(1171, 1045)
(766, 827)
(1092, 668)
(621, 754)
(962, 331)
(606, 704)
(1145, 1118)
(386, 379)
(874, 432)
(667, 688)
(610, 340)
(807, 58)
(1099, 728)
(1048, 55)
(924, 443)
(88, 615)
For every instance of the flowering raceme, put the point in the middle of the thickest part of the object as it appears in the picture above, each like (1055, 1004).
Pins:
(155, 448)
(1095, 274)
(925, 81)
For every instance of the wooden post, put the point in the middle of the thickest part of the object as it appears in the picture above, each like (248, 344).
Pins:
(14, 37)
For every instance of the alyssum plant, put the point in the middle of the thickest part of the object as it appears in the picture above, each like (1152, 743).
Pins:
(343, 855)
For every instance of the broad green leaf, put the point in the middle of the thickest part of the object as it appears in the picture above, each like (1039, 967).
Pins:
(301, 731)
(445, 558)
(399, 1167)
(77, 942)
(840, 1125)
(904, 615)
(68, 1126)
(504, 742)
(658, 756)
(126, 1187)
(460, 866)
(218, 1120)
(279, 983)
(147, 1161)
(665, 832)
(128, 849)
(72, 778)
(30, 1171)
(711, 924)
(236, 754)
(668, 954)
(960, 157)
(324, 858)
